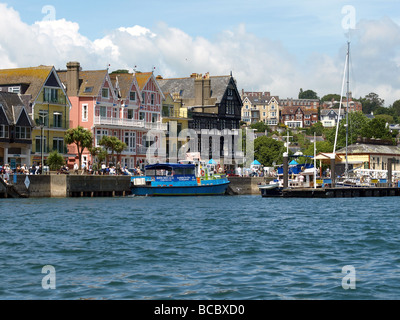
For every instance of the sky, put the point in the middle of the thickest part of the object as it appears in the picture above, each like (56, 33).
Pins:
(275, 46)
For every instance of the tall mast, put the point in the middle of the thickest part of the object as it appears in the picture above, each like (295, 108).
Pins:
(347, 108)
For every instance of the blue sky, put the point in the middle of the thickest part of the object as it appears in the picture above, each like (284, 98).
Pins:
(301, 26)
(285, 42)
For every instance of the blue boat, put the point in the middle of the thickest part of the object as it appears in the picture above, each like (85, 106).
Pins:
(168, 179)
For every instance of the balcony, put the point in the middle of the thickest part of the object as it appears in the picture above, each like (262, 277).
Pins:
(129, 123)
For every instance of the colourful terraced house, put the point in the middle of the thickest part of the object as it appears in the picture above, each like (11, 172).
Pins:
(47, 104)
(124, 105)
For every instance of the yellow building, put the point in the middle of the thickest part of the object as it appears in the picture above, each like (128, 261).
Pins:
(176, 116)
(260, 107)
(49, 107)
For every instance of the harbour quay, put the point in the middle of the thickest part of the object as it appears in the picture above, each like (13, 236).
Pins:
(341, 192)
(65, 186)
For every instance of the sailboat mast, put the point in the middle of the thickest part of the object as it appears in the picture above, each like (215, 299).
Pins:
(347, 108)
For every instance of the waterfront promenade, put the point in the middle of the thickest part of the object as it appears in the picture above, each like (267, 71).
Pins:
(63, 186)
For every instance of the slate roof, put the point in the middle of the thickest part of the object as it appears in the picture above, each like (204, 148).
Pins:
(262, 98)
(13, 105)
(35, 77)
(185, 86)
(363, 148)
(124, 80)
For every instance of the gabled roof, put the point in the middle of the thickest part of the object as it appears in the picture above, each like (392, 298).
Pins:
(34, 77)
(364, 148)
(185, 86)
(143, 78)
(123, 82)
(92, 82)
(261, 98)
(13, 107)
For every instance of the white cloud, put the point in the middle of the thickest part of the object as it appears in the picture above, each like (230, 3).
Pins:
(257, 63)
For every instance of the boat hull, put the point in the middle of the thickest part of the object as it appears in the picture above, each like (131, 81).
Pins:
(275, 191)
(198, 190)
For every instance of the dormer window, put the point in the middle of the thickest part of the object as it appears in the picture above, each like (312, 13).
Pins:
(132, 96)
(105, 93)
(14, 89)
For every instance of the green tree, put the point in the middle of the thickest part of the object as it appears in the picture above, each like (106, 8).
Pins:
(396, 108)
(330, 97)
(259, 126)
(81, 137)
(321, 146)
(308, 94)
(268, 150)
(376, 128)
(113, 144)
(357, 121)
(55, 160)
(386, 117)
(318, 128)
(371, 102)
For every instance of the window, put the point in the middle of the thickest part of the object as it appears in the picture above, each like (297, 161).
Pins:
(4, 131)
(230, 108)
(132, 96)
(85, 112)
(105, 93)
(142, 116)
(14, 89)
(88, 90)
(154, 117)
(143, 97)
(99, 135)
(50, 95)
(43, 117)
(152, 99)
(130, 114)
(103, 112)
(38, 143)
(230, 92)
(57, 116)
(130, 141)
(22, 133)
(58, 145)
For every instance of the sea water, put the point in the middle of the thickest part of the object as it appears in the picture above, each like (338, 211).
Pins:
(242, 247)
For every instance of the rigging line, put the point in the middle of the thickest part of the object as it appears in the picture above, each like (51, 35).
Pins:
(340, 105)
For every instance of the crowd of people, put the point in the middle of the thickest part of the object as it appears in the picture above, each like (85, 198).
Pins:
(101, 169)
(6, 170)
(90, 169)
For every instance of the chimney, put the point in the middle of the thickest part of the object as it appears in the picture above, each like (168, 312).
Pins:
(198, 90)
(73, 69)
(206, 88)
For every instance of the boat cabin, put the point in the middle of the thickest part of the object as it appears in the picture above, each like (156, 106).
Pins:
(171, 172)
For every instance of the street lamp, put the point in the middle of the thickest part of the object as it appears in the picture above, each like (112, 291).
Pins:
(42, 123)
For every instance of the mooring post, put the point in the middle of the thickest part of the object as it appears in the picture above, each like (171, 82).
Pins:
(333, 173)
(285, 170)
(389, 174)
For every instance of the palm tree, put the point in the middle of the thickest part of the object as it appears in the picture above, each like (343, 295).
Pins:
(81, 137)
(113, 144)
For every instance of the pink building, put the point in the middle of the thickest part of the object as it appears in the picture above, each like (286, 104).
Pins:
(124, 105)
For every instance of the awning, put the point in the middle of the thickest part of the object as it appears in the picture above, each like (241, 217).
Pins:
(326, 157)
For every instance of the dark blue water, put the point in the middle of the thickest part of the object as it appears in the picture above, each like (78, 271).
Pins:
(244, 247)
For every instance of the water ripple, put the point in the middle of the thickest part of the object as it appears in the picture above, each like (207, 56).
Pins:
(200, 248)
